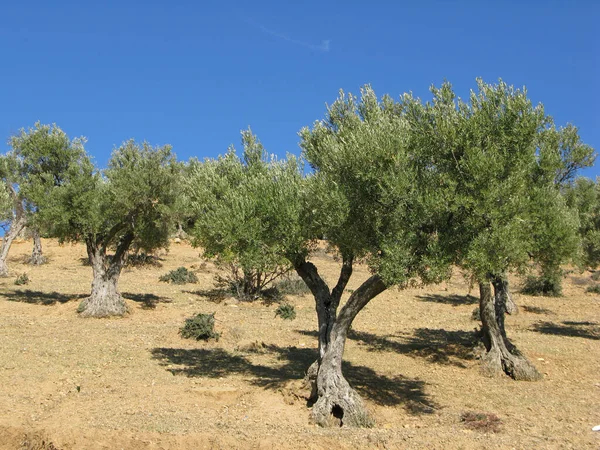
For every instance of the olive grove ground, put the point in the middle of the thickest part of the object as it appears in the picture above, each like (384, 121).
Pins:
(69, 383)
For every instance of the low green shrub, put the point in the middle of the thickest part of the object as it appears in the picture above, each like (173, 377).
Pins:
(22, 279)
(286, 311)
(180, 275)
(542, 286)
(201, 326)
(595, 289)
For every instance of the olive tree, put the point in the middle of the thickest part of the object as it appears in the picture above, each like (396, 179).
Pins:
(584, 195)
(36, 162)
(125, 205)
(375, 199)
(505, 207)
(230, 209)
(561, 154)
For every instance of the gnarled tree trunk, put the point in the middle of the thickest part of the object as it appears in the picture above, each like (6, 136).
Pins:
(37, 257)
(501, 355)
(105, 299)
(336, 402)
(17, 225)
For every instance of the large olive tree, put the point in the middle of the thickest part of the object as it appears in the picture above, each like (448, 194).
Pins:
(375, 199)
(111, 210)
(503, 155)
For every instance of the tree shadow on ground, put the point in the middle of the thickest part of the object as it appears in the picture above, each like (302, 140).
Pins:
(434, 345)
(41, 298)
(148, 301)
(586, 330)
(536, 310)
(215, 295)
(454, 299)
(291, 363)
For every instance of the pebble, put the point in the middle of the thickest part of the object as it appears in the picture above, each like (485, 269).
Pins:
(596, 428)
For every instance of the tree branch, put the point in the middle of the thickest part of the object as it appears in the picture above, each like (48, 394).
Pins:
(367, 291)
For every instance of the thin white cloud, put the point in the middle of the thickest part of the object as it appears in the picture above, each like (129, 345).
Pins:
(324, 46)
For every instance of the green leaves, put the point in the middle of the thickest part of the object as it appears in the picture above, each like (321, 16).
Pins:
(247, 209)
(375, 194)
(132, 196)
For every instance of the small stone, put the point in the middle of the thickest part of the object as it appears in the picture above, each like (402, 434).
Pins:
(596, 428)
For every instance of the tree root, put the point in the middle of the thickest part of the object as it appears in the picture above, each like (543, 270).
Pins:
(102, 307)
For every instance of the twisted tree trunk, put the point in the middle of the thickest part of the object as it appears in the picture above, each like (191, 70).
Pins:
(501, 355)
(105, 299)
(37, 257)
(336, 402)
(16, 226)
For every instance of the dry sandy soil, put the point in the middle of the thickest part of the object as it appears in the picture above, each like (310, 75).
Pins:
(134, 383)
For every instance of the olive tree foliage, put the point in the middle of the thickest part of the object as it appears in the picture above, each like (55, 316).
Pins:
(561, 155)
(126, 205)
(236, 202)
(584, 195)
(36, 162)
(504, 158)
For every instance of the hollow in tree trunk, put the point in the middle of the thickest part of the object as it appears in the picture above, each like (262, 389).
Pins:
(501, 355)
(335, 401)
(105, 299)
(37, 257)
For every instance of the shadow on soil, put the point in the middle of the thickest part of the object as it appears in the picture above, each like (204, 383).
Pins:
(215, 295)
(148, 301)
(586, 330)
(454, 300)
(536, 310)
(292, 364)
(434, 345)
(41, 298)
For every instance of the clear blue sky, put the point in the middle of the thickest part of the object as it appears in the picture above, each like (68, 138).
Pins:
(194, 73)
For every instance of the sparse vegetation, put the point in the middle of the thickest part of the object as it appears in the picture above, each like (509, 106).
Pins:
(542, 286)
(594, 289)
(286, 311)
(200, 327)
(22, 279)
(480, 421)
(181, 275)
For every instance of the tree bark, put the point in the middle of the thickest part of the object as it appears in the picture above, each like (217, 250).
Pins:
(336, 403)
(180, 233)
(105, 299)
(16, 226)
(504, 300)
(501, 355)
(37, 257)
